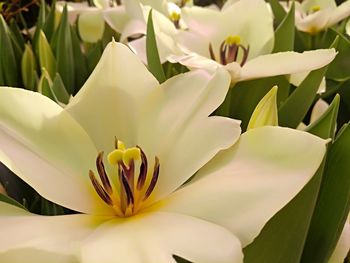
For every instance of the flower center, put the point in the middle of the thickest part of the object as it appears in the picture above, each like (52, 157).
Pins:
(314, 9)
(134, 183)
(229, 51)
(174, 14)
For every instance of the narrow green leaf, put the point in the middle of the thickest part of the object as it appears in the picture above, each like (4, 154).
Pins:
(59, 90)
(284, 34)
(333, 202)
(49, 26)
(93, 55)
(39, 24)
(17, 36)
(324, 127)
(282, 238)
(278, 11)
(46, 58)
(9, 66)
(80, 60)
(64, 53)
(11, 201)
(293, 111)
(45, 84)
(153, 60)
(28, 66)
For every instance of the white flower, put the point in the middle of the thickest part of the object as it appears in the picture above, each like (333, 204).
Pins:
(134, 206)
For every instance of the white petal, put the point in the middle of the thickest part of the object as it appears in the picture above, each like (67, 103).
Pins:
(47, 148)
(315, 22)
(339, 13)
(244, 186)
(195, 61)
(176, 127)
(286, 63)
(156, 237)
(319, 108)
(343, 245)
(91, 25)
(116, 18)
(108, 104)
(32, 238)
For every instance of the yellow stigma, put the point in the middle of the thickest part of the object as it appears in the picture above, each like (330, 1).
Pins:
(175, 16)
(232, 40)
(315, 8)
(122, 154)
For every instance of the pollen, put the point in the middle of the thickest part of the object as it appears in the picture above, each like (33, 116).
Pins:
(233, 40)
(175, 16)
(135, 181)
(315, 8)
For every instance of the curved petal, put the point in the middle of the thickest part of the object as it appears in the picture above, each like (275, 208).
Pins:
(193, 60)
(343, 246)
(244, 186)
(108, 104)
(26, 237)
(156, 237)
(91, 25)
(176, 127)
(313, 23)
(339, 13)
(116, 17)
(286, 63)
(48, 149)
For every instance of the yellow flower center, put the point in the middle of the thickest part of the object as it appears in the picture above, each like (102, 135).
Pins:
(229, 51)
(233, 40)
(134, 185)
(315, 8)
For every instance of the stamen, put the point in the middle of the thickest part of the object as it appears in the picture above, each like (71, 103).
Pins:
(143, 171)
(211, 52)
(245, 55)
(154, 178)
(102, 173)
(127, 189)
(223, 47)
(99, 189)
(315, 9)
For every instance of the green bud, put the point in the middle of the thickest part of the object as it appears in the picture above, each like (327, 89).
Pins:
(265, 113)
(46, 57)
(28, 66)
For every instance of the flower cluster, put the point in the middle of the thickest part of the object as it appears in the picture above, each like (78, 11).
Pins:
(139, 131)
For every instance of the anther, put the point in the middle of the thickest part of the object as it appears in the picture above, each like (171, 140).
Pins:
(102, 173)
(143, 171)
(154, 178)
(99, 189)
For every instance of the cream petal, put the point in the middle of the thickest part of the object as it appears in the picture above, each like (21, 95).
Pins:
(109, 103)
(116, 17)
(343, 245)
(319, 108)
(29, 237)
(286, 63)
(176, 127)
(155, 237)
(195, 61)
(91, 25)
(339, 13)
(48, 149)
(244, 186)
(313, 23)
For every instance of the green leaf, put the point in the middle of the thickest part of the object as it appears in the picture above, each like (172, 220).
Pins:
(153, 60)
(11, 201)
(39, 24)
(46, 58)
(16, 36)
(293, 111)
(49, 26)
(333, 202)
(80, 60)
(284, 34)
(93, 55)
(28, 67)
(282, 238)
(8, 62)
(44, 85)
(63, 49)
(59, 91)
(278, 11)
(324, 126)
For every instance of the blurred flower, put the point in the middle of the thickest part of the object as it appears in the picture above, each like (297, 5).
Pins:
(224, 39)
(312, 16)
(134, 205)
(343, 246)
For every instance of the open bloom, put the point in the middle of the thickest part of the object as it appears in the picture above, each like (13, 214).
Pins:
(312, 16)
(120, 153)
(224, 39)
